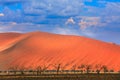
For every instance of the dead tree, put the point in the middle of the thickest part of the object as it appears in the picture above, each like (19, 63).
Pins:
(41, 68)
(63, 67)
(21, 69)
(57, 67)
(81, 68)
(98, 68)
(88, 67)
(104, 68)
(74, 67)
(45, 67)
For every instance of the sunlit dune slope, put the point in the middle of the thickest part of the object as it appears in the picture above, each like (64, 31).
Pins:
(37, 48)
(6, 38)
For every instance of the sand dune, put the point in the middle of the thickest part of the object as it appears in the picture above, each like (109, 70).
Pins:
(6, 37)
(37, 48)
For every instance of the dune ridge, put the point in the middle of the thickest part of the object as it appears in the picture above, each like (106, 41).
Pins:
(37, 48)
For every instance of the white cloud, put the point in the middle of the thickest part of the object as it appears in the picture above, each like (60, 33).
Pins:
(70, 31)
(1, 14)
(13, 23)
(111, 19)
(65, 31)
(85, 22)
(113, 6)
(21, 27)
(70, 21)
(92, 21)
(88, 22)
(59, 7)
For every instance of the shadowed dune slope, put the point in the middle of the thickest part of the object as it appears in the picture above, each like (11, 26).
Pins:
(37, 48)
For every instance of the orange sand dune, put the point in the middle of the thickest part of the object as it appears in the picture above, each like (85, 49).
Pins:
(5, 38)
(37, 48)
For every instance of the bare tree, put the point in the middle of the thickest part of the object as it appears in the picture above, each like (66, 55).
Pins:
(105, 69)
(64, 67)
(57, 67)
(21, 69)
(74, 67)
(88, 67)
(41, 69)
(98, 68)
(45, 67)
(81, 68)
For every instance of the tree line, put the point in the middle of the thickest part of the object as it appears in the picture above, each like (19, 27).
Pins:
(60, 68)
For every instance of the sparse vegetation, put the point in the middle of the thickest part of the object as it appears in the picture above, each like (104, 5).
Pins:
(59, 72)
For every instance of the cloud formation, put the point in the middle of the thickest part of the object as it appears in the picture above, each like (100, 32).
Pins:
(70, 21)
(1, 14)
(55, 11)
(65, 31)
(19, 27)
(90, 22)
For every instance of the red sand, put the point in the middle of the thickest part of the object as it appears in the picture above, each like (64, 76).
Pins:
(7, 37)
(37, 48)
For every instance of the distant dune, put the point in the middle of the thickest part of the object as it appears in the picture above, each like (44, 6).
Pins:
(37, 48)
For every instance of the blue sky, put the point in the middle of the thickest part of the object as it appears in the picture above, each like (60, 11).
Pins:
(98, 19)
